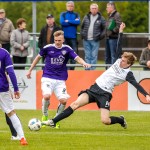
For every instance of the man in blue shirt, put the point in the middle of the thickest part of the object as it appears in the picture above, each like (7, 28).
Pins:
(6, 101)
(55, 72)
(69, 21)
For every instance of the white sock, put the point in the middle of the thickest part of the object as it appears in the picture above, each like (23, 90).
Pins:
(60, 109)
(17, 125)
(45, 105)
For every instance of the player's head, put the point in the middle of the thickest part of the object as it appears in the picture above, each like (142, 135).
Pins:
(59, 38)
(127, 59)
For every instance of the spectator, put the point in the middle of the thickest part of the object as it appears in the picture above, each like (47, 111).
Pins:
(145, 57)
(46, 34)
(112, 30)
(55, 72)
(20, 43)
(6, 27)
(92, 31)
(69, 21)
(6, 101)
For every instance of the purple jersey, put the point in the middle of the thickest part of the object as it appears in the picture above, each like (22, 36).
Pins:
(5, 66)
(56, 60)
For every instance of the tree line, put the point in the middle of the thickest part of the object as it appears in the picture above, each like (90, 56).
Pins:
(134, 14)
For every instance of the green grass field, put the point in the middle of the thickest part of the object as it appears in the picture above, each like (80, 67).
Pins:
(81, 131)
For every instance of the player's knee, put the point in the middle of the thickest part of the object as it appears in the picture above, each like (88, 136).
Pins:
(105, 121)
(63, 101)
(74, 105)
(47, 97)
(11, 113)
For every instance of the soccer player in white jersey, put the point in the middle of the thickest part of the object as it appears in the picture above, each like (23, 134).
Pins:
(101, 91)
(6, 101)
(55, 72)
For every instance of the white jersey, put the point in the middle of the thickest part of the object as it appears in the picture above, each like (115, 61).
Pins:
(112, 77)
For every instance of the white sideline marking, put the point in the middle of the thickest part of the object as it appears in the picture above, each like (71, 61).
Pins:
(86, 133)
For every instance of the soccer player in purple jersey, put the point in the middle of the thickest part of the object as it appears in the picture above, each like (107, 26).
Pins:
(55, 72)
(6, 101)
(101, 91)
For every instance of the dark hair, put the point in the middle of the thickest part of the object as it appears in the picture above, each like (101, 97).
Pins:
(20, 21)
(148, 41)
(112, 4)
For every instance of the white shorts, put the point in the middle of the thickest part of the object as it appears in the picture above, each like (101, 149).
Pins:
(6, 102)
(57, 86)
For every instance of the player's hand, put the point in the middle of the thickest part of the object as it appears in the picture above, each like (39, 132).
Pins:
(28, 75)
(17, 94)
(148, 98)
(85, 65)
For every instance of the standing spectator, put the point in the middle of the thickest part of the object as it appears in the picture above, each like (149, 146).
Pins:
(55, 72)
(112, 30)
(92, 31)
(6, 101)
(46, 35)
(145, 57)
(69, 21)
(6, 27)
(20, 43)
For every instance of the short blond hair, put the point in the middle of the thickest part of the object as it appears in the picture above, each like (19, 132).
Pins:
(130, 57)
(94, 4)
(58, 33)
(70, 2)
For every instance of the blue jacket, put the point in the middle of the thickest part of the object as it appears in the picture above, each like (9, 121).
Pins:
(70, 27)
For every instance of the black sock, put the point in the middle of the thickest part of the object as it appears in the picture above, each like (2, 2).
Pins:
(116, 120)
(11, 127)
(66, 113)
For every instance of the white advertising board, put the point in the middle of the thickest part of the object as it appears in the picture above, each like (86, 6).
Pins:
(27, 88)
(134, 102)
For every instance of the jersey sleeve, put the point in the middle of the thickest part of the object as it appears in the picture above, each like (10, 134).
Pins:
(72, 54)
(131, 79)
(10, 71)
(42, 52)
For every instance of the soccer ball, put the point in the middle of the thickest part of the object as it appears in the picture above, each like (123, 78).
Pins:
(34, 124)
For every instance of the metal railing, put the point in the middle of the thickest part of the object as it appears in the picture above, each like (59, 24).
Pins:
(33, 54)
(76, 65)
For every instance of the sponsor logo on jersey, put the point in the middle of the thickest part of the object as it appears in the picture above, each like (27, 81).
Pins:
(58, 61)
(63, 52)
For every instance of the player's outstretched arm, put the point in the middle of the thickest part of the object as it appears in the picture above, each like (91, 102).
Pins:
(35, 61)
(82, 62)
(122, 26)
